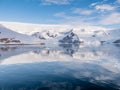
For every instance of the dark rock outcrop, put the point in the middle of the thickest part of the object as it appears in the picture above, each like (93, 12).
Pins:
(70, 37)
(38, 35)
(117, 41)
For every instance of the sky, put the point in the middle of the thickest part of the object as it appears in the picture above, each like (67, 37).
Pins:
(89, 12)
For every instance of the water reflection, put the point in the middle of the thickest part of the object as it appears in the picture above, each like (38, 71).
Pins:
(67, 67)
(70, 49)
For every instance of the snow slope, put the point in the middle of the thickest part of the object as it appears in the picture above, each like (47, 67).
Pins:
(8, 36)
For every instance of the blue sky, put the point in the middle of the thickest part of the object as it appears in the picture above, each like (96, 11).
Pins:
(91, 12)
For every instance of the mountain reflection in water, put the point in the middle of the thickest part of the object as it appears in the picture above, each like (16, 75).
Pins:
(66, 67)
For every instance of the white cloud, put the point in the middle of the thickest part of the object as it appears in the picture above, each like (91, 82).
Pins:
(82, 11)
(57, 2)
(62, 15)
(105, 7)
(77, 19)
(118, 1)
(109, 19)
(113, 18)
(99, 13)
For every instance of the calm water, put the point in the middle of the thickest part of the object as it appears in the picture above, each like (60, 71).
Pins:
(64, 67)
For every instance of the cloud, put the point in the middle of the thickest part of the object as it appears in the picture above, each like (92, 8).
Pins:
(57, 2)
(83, 11)
(98, 13)
(109, 19)
(113, 18)
(118, 1)
(105, 7)
(63, 15)
(94, 4)
(75, 19)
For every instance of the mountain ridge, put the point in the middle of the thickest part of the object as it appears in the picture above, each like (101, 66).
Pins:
(52, 34)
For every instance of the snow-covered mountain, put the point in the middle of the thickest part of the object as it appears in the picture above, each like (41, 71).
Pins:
(86, 37)
(70, 37)
(44, 35)
(62, 37)
(8, 36)
(54, 34)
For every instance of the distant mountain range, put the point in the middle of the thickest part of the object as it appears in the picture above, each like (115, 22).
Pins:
(50, 35)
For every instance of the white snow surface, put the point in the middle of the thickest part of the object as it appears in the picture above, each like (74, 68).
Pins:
(11, 37)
